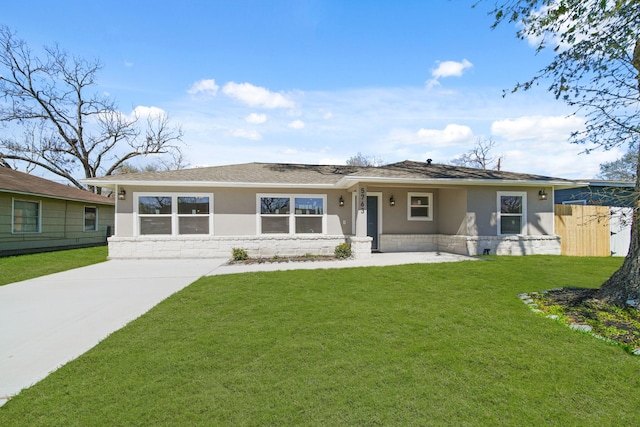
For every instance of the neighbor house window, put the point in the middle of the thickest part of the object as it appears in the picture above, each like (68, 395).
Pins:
(90, 218)
(26, 216)
(174, 214)
(291, 214)
(420, 207)
(512, 208)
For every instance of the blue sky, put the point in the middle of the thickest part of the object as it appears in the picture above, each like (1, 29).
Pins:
(313, 81)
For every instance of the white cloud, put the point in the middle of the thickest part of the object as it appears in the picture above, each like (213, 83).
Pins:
(145, 112)
(537, 127)
(206, 87)
(246, 134)
(296, 124)
(448, 69)
(256, 118)
(451, 134)
(256, 96)
(128, 64)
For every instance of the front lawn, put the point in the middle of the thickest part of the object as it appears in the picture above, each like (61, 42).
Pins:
(433, 344)
(23, 267)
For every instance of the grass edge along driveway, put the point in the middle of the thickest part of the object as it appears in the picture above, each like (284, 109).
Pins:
(433, 344)
(23, 267)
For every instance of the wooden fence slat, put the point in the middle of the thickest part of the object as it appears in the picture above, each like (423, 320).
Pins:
(584, 229)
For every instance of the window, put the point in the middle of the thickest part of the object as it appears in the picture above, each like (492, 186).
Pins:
(420, 207)
(511, 212)
(90, 218)
(277, 216)
(172, 214)
(155, 214)
(26, 216)
(193, 215)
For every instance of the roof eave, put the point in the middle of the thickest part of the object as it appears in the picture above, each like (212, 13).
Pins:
(49, 196)
(343, 183)
(350, 180)
(122, 183)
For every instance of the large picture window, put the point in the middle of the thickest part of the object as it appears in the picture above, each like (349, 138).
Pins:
(173, 214)
(26, 216)
(278, 217)
(420, 207)
(512, 208)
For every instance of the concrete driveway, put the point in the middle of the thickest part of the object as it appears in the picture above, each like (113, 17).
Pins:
(48, 321)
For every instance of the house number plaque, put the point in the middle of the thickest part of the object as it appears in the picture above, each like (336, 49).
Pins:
(363, 199)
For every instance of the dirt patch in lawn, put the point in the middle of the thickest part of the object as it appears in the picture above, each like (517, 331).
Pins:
(578, 306)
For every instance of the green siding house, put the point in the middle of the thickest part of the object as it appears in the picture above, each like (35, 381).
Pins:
(39, 215)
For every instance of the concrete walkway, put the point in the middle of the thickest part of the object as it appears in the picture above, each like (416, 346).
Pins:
(48, 321)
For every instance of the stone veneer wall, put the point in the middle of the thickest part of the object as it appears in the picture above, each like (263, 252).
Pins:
(268, 246)
(471, 245)
(220, 246)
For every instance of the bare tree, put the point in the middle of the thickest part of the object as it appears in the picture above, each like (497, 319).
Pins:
(62, 124)
(364, 160)
(480, 156)
(622, 169)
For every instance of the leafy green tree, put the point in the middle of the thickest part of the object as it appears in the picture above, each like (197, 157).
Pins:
(596, 70)
(55, 119)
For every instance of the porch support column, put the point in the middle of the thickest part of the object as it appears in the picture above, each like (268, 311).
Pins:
(361, 243)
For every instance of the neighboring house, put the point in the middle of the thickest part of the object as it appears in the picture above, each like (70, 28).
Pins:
(599, 192)
(619, 196)
(40, 215)
(295, 209)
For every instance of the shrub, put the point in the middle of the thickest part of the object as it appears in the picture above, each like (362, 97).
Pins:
(342, 251)
(239, 254)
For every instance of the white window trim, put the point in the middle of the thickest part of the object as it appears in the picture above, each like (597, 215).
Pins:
(522, 194)
(13, 212)
(419, 218)
(174, 211)
(292, 213)
(84, 218)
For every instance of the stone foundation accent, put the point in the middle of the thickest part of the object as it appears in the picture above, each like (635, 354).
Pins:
(471, 245)
(221, 246)
(360, 247)
(268, 246)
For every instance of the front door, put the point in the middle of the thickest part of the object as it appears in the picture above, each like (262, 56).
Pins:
(372, 220)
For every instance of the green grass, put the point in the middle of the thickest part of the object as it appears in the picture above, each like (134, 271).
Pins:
(23, 267)
(433, 344)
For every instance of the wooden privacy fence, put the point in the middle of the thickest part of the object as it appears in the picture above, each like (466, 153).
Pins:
(585, 229)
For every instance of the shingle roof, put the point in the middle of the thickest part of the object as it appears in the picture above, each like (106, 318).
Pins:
(320, 175)
(13, 181)
(277, 173)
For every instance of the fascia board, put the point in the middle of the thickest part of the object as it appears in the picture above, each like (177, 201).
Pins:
(113, 184)
(349, 181)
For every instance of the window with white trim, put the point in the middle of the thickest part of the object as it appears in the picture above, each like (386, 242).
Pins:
(26, 216)
(174, 214)
(90, 218)
(512, 212)
(291, 214)
(420, 206)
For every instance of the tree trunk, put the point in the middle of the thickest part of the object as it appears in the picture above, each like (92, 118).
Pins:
(623, 287)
